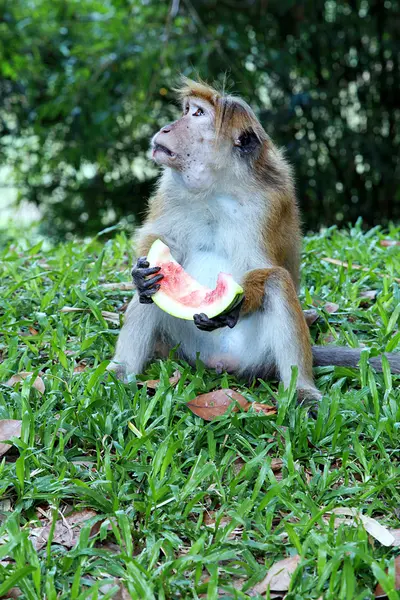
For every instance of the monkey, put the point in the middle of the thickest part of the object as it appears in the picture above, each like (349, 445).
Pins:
(226, 201)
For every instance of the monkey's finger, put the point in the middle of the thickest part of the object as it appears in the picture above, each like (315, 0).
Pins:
(202, 317)
(147, 293)
(144, 300)
(149, 283)
(204, 327)
(142, 262)
(151, 271)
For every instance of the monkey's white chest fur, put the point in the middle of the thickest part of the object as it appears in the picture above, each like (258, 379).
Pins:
(220, 236)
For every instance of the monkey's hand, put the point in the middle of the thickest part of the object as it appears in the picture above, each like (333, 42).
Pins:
(229, 319)
(146, 287)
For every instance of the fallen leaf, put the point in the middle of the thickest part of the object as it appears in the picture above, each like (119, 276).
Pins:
(238, 465)
(8, 428)
(278, 577)
(66, 531)
(14, 592)
(152, 384)
(369, 294)
(81, 366)
(121, 594)
(331, 307)
(371, 526)
(388, 243)
(214, 404)
(33, 331)
(311, 315)
(340, 263)
(396, 536)
(38, 383)
(264, 408)
(123, 307)
(210, 519)
(276, 464)
(379, 591)
(326, 338)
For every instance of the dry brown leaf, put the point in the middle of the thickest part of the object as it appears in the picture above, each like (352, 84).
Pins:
(276, 464)
(33, 331)
(311, 315)
(238, 465)
(264, 408)
(388, 243)
(210, 519)
(396, 536)
(9, 428)
(38, 383)
(13, 593)
(81, 366)
(371, 526)
(66, 531)
(152, 384)
(279, 576)
(123, 307)
(121, 594)
(214, 404)
(368, 295)
(340, 263)
(379, 592)
(331, 307)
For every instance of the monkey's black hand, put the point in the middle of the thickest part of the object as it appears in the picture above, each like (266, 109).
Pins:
(146, 287)
(229, 319)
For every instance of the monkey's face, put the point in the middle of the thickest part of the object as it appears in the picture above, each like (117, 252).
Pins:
(188, 145)
(198, 155)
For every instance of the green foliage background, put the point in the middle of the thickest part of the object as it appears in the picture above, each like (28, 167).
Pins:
(83, 85)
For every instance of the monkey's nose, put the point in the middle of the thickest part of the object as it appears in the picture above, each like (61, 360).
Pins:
(166, 129)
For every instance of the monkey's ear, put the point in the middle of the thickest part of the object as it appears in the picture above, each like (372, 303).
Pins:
(247, 142)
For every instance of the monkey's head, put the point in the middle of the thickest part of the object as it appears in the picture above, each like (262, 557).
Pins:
(217, 137)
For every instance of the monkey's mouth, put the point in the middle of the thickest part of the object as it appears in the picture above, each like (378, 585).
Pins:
(160, 148)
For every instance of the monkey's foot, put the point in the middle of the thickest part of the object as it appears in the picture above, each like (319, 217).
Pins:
(119, 370)
(309, 397)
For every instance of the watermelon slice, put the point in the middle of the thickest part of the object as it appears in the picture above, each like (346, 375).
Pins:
(182, 296)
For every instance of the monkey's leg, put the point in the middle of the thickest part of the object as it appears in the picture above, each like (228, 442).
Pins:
(137, 339)
(283, 329)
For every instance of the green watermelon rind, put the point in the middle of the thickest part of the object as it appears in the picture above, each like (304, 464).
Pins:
(173, 307)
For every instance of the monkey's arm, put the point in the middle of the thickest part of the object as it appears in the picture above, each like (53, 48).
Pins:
(254, 289)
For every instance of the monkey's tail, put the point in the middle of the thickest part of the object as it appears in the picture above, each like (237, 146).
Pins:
(341, 356)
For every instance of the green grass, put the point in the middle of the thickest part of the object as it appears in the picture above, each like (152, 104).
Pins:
(153, 485)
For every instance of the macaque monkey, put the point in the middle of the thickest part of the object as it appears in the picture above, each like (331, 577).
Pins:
(225, 202)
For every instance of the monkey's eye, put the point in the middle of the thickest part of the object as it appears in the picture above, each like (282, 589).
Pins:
(199, 112)
(247, 142)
